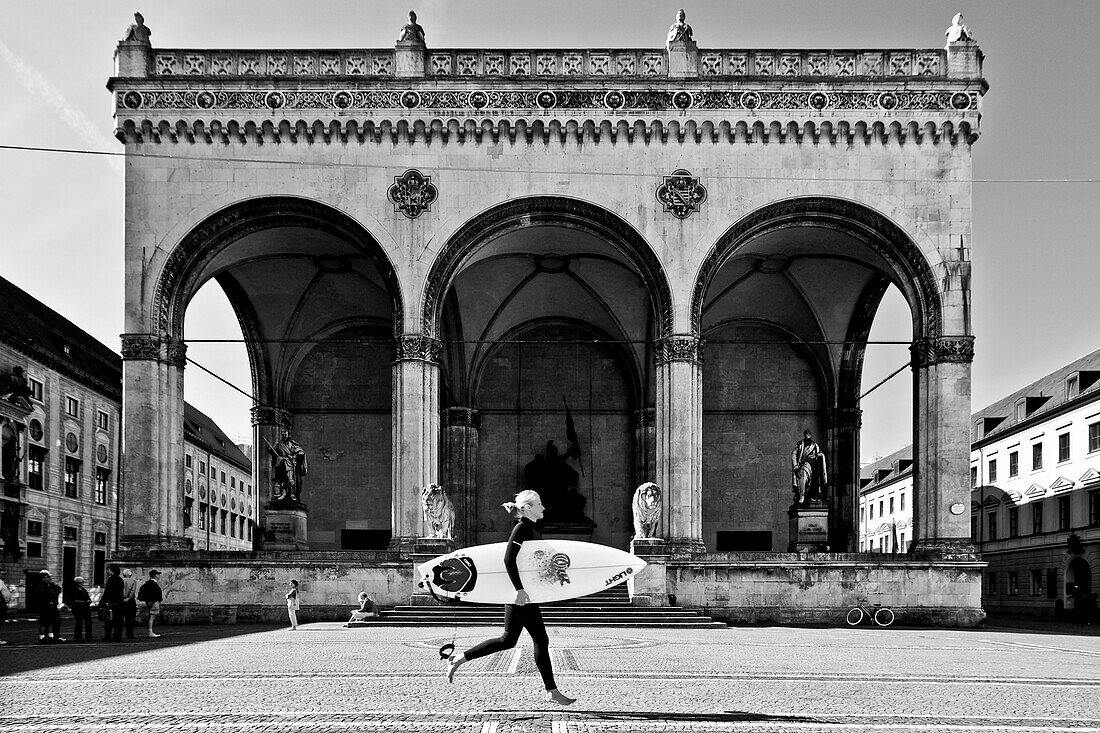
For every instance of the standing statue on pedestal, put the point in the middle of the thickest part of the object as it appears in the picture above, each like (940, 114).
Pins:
(15, 388)
(647, 510)
(439, 512)
(411, 31)
(808, 475)
(680, 30)
(288, 467)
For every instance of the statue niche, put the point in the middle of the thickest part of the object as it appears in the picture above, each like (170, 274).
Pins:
(558, 485)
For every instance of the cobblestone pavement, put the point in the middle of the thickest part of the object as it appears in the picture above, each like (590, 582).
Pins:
(324, 677)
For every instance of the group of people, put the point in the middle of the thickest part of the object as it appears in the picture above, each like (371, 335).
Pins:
(117, 607)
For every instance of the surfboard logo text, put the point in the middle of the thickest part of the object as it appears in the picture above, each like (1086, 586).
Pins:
(616, 578)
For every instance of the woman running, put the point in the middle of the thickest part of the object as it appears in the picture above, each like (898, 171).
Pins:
(527, 509)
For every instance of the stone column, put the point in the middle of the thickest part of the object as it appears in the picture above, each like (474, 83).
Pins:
(268, 423)
(152, 442)
(460, 470)
(843, 440)
(645, 446)
(415, 433)
(941, 454)
(679, 448)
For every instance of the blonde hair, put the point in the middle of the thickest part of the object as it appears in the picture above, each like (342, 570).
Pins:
(523, 500)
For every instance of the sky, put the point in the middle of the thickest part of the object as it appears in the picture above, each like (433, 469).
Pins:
(1034, 249)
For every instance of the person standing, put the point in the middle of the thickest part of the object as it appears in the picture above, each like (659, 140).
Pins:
(46, 596)
(151, 595)
(5, 602)
(112, 601)
(293, 603)
(81, 603)
(522, 614)
(129, 602)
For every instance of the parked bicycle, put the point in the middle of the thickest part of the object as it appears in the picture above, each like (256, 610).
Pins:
(877, 613)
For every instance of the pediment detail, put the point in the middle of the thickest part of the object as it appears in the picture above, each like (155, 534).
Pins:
(1090, 476)
(1035, 491)
(1061, 484)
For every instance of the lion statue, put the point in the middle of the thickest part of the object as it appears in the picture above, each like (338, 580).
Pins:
(439, 512)
(647, 510)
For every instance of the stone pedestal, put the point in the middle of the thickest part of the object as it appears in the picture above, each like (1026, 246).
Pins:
(683, 59)
(409, 58)
(809, 527)
(433, 546)
(285, 527)
(650, 586)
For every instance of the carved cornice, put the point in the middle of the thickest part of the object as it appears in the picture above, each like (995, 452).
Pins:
(175, 352)
(944, 349)
(417, 347)
(868, 226)
(562, 212)
(151, 347)
(268, 415)
(680, 347)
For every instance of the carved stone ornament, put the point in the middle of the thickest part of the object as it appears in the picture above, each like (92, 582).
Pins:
(422, 348)
(140, 346)
(681, 194)
(646, 506)
(268, 415)
(944, 349)
(412, 193)
(678, 348)
(463, 417)
(176, 353)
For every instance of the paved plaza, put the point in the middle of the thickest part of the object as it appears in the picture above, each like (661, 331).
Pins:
(324, 677)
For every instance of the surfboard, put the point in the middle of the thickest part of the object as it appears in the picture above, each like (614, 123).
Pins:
(550, 570)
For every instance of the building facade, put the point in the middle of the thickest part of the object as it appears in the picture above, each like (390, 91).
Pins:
(61, 456)
(1035, 496)
(445, 260)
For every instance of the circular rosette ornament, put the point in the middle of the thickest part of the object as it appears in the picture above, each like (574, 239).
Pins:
(410, 98)
(960, 101)
(682, 100)
(204, 100)
(751, 100)
(275, 100)
(341, 99)
(478, 99)
(888, 101)
(131, 100)
(614, 99)
(546, 99)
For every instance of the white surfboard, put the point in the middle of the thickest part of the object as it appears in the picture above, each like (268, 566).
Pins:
(550, 570)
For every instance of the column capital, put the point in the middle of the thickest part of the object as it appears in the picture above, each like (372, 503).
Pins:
(269, 415)
(417, 347)
(645, 417)
(463, 417)
(154, 347)
(940, 349)
(678, 347)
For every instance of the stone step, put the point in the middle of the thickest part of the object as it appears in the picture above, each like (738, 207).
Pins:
(697, 622)
(550, 610)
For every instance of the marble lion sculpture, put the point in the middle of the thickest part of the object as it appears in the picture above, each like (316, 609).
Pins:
(647, 510)
(439, 512)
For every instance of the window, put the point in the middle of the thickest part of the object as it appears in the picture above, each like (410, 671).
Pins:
(69, 534)
(880, 505)
(1014, 463)
(1037, 518)
(1021, 410)
(1094, 508)
(36, 390)
(891, 505)
(187, 461)
(1063, 512)
(72, 406)
(34, 528)
(36, 459)
(232, 482)
(1036, 456)
(1013, 582)
(213, 472)
(862, 512)
(992, 470)
(202, 467)
(249, 524)
(974, 527)
(225, 517)
(1014, 522)
(1071, 387)
(1063, 447)
(992, 526)
(34, 549)
(1094, 437)
(882, 544)
(871, 510)
(991, 584)
(72, 477)
(973, 476)
(202, 516)
(102, 420)
(1037, 582)
(901, 542)
(250, 489)
(102, 482)
(233, 526)
(101, 538)
(223, 477)
(901, 497)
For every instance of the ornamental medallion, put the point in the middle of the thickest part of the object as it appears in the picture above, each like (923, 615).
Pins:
(412, 193)
(681, 194)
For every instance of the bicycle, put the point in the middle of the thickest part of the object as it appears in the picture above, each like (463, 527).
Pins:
(877, 613)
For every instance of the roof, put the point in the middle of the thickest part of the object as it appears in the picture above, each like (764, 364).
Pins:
(204, 432)
(870, 472)
(1045, 395)
(43, 334)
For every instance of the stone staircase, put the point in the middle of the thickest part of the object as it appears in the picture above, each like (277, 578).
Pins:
(609, 607)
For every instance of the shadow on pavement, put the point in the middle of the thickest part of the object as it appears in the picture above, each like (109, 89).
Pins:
(729, 716)
(23, 653)
(1017, 625)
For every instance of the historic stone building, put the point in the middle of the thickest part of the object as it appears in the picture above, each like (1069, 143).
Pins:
(219, 505)
(666, 261)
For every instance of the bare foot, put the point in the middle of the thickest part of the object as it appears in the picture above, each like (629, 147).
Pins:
(560, 699)
(454, 663)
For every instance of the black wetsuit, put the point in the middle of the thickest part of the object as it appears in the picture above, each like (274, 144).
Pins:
(517, 618)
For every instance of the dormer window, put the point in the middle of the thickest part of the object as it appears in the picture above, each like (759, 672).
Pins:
(1021, 410)
(1072, 389)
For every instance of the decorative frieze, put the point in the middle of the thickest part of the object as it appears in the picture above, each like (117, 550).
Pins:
(463, 417)
(141, 347)
(680, 347)
(269, 415)
(418, 347)
(942, 349)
